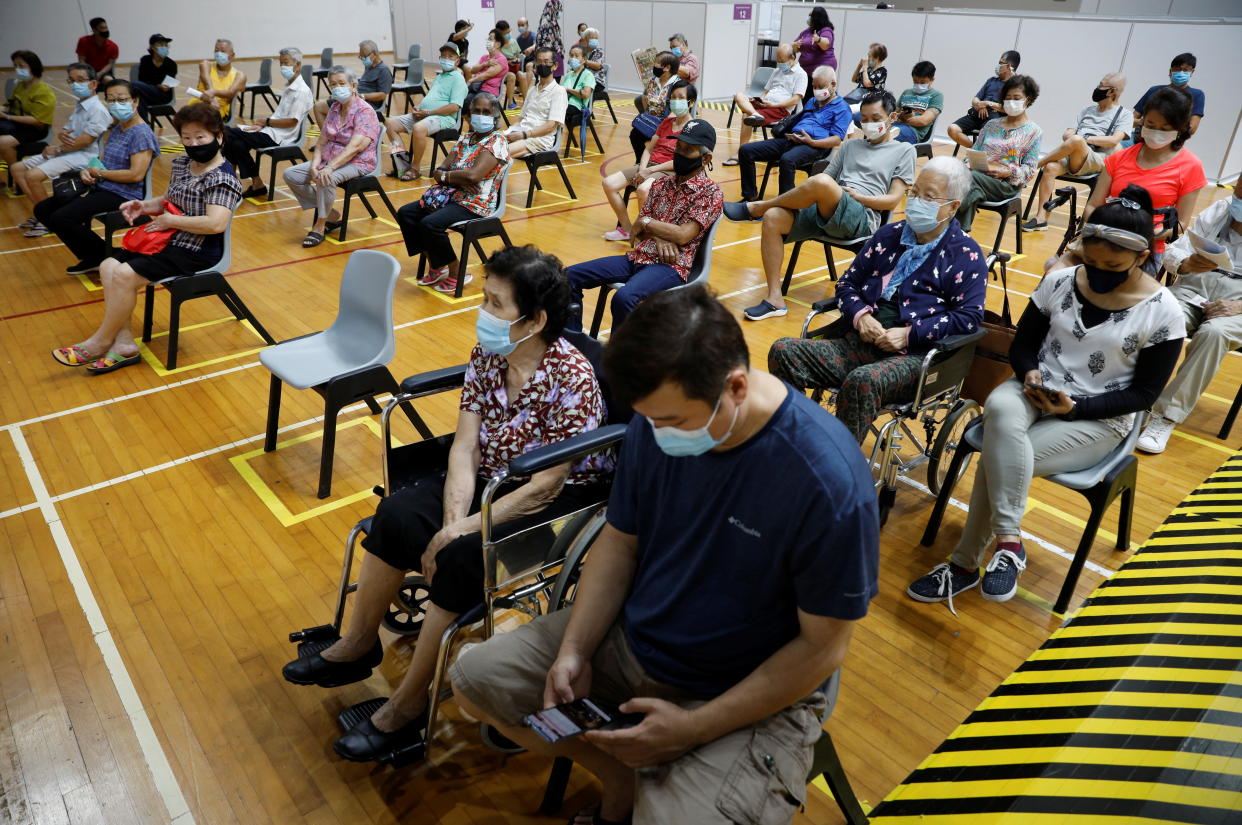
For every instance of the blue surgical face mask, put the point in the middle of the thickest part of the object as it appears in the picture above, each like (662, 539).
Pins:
(922, 215)
(920, 88)
(683, 443)
(493, 332)
(121, 111)
(1180, 78)
(482, 123)
(222, 58)
(447, 65)
(366, 61)
(676, 50)
(574, 63)
(162, 51)
(342, 93)
(81, 90)
(22, 74)
(287, 72)
(593, 43)
(678, 107)
(1235, 209)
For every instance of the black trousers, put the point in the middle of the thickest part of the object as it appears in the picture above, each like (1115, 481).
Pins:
(70, 220)
(639, 142)
(426, 230)
(407, 520)
(238, 146)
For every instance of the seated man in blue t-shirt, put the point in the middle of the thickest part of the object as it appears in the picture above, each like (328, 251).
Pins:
(741, 546)
(1180, 72)
(821, 127)
(986, 104)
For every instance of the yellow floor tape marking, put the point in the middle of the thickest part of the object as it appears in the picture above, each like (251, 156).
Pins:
(538, 192)
(332, 238)
(447, 298)
(157, 365)
(269, 498)
(1203, 441)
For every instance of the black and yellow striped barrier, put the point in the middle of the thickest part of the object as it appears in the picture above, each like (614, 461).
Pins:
(1130, 713)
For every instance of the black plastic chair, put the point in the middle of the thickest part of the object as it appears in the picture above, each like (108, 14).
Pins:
(601, 93)
(360, 186)
(549, 157)
(414, 84)
(757, 81)
(850, 246)
(202, 284)
(1090, 181)
(815, 167)
(578, 137)
(474, 230)
(441, 139)
(1114, 476)
(1006, 209)
(1227, 425)
(285, 153)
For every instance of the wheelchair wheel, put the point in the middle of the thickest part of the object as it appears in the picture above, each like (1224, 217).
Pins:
(405, 615)
(947, 438)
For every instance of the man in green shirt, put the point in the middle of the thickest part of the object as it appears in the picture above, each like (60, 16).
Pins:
(439, 109)
(919, 106)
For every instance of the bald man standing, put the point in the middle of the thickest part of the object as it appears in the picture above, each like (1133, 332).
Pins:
(1101, 128)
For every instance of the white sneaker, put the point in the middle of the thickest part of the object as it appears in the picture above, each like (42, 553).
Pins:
(1155, 436)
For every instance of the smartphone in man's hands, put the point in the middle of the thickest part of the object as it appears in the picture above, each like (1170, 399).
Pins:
(577, 717)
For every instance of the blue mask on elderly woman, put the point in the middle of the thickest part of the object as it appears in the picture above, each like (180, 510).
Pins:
(482, 123)
(493, 332)
(342, 93)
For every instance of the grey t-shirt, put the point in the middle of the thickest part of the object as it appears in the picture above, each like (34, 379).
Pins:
(1094, 123)
(375, 79)
(869, 168)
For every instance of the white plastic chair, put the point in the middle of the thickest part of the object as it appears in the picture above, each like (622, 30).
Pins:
(348, 361)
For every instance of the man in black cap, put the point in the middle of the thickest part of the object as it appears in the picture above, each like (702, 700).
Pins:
(154, 70)
(667, 233)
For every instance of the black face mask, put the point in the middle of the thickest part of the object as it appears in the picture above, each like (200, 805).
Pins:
(543, 71)
(1104, 280)
(657, 72)
(203, 152)
(1099, 94)
(104, 34)
(683, 165)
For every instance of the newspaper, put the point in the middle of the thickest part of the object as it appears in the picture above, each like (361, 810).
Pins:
(977, 160)
(1211, 250)
(644, 61)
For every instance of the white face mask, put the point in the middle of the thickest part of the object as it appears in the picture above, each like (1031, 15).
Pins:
(1158, 138)
(823, 94)
(1013, 108)
(874, 130)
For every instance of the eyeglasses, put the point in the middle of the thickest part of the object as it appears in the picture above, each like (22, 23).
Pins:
(118, 99)
(1126, 202)
(921, 196)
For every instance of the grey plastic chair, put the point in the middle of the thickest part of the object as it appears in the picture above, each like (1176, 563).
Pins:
(757, 81)
(548, 157)
(321, 73)
(291, 152)
(1115, 475)
(414, 53)
(201, 284)
(700, 273)
(347, 362)
(112, 220)
(263, 87)
(414, 84)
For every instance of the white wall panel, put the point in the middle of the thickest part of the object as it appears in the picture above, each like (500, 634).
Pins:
(900, 32)
(628, 27)
(961, 70)
(729, 50)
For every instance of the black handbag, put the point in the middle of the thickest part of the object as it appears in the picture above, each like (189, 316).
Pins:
(69, 185)
(781, 127)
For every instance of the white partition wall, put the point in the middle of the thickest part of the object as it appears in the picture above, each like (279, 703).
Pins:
(730, 43)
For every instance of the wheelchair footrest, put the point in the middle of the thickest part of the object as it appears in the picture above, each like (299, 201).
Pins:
(401, 755)
(324, 635)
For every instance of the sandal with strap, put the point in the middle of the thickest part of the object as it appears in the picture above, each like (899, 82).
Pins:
(112, 361)
(411, 174)
(72, 356)
(312, 239)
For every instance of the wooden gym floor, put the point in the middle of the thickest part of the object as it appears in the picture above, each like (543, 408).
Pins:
(153, 559)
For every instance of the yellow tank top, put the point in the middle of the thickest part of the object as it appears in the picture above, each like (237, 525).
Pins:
(219, 84)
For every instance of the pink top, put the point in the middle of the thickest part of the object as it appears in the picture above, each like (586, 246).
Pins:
(492, 84)
(337, 133)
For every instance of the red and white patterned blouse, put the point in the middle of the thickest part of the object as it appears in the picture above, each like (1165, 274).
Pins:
(560, 400)
(698, 199)
(339, 131)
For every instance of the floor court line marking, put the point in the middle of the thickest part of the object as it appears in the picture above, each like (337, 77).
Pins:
(160, 768)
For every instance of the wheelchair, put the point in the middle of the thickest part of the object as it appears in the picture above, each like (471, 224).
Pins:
(938, 406)
(533, 571)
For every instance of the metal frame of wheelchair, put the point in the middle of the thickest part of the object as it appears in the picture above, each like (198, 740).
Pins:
(938, 405)
(545, 584)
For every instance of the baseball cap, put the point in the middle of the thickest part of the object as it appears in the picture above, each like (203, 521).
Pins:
(451, 46)
(699, 133)
(157, 37)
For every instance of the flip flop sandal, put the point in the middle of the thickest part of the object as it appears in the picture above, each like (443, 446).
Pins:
(28, 223)
(72, 356)
(312, 239)
(112, 361)
(332, 226)
(411, 175)
(37, 231)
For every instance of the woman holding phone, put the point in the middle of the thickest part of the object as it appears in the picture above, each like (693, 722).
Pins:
(1096, 344)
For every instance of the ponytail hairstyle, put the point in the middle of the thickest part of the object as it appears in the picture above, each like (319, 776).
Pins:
(539, 283)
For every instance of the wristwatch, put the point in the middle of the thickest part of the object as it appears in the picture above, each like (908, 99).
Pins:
(645, 220)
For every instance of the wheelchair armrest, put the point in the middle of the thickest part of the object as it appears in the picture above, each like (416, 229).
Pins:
(825, 305)
(424, 383)
(578, 446)
(954, 342)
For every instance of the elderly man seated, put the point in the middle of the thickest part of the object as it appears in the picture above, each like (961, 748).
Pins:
(439, 109)
(781, 94)
(374, 83)
(75, 146)
(265, 132)
(1210, 296)
(865, 177)
(666, 235)
(689, 68)
(986, 104)
(543, 110)
(220, 83)
(1100, 129)
(820, 128)
(915, 282)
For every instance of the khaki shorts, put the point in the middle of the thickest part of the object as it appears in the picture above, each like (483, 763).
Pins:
(533, 145)
(1092, 165)
(432, 123)
(755, 775)
(57, 165)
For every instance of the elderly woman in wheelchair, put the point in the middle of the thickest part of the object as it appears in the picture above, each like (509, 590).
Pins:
(525, 386)
(917, 282)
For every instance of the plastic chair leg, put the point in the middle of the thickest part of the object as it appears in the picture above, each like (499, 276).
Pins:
(242, 312)
(328, 450)
(789, 270)
(273, 415)
(558, 782)
(1227, 425)
(600, 303)
(344, 220)
(174, 329)
(946, 493)
(1039, 176)
(732, 110)
(147, 312)
(569, 187)
(838, 782)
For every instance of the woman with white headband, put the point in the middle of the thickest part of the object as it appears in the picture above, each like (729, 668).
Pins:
(1096, 344)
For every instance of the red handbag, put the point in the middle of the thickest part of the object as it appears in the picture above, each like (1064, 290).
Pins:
(141, 242)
